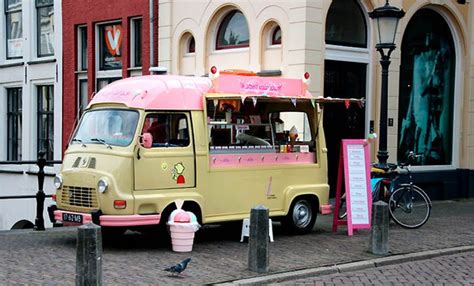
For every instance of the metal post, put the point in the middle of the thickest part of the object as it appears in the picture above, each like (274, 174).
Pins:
(258, 260)
(40, 196)
(382, 153)
(89, 255)
(378, 244)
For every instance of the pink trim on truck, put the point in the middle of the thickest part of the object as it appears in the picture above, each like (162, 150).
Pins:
(326, 209)
(113, 220)
(260, 159)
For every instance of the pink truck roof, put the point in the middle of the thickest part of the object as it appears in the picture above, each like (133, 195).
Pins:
(156, 92)
(165, 92)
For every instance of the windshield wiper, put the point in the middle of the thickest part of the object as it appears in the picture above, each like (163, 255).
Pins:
(78, 140)
(101, 141)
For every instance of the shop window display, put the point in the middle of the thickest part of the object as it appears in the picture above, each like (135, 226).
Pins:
(110, 46)
(427, 90)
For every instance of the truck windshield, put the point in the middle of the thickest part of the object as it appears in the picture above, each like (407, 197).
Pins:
(114, 127)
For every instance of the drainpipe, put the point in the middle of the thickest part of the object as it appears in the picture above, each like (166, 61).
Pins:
(152, 30)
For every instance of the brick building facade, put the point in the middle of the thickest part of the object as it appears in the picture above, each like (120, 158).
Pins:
(103, 41)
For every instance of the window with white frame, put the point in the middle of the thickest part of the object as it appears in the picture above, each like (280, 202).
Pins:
(82, 48)
(45, 27)
(45, 123)
(110, 46)
(136, 42)
(14, 29)
(14, 126)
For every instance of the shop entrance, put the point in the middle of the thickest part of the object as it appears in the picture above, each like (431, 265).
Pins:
(343, 80)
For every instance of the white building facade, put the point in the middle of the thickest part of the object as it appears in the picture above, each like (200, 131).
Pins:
(30, 104)
(430, 98)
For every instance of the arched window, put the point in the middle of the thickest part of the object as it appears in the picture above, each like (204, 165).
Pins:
(233, 32)
(426, 100)
(276, 36)
(345, 24)
(191, 45)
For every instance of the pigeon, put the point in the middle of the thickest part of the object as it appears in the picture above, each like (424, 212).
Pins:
(178, 268)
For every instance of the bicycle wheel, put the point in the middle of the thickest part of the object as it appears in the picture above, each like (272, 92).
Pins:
(409, 207)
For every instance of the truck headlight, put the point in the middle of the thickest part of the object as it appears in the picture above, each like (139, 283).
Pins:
(58, 181)
(102, 185)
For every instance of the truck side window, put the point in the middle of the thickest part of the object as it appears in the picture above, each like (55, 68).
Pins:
(167, 129)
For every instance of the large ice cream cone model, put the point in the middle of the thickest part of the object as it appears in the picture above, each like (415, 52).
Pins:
(182, 225)
(293, 135)
(182, 237)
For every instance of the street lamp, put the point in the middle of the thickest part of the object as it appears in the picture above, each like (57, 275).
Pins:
(386, 18)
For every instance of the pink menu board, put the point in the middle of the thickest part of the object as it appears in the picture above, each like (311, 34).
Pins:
(354, 169)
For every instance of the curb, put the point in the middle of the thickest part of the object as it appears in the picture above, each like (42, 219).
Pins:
(348, 267)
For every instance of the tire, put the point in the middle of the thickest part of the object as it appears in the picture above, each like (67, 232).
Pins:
(409, 208)
(301, 216)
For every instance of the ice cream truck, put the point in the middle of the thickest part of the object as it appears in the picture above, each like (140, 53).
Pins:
(222, 144)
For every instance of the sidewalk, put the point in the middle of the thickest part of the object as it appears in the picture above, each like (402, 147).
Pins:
(29, 257)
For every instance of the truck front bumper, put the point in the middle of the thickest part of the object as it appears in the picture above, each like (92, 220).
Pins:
(107, 220)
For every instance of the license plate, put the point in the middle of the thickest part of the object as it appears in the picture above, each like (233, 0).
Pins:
(76, 218)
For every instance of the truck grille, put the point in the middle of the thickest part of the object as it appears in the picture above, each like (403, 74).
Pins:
(79, 196)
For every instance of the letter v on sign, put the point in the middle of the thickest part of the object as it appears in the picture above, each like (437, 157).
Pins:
(113, 39)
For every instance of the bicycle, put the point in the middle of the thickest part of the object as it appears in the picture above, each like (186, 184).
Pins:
(409, 205)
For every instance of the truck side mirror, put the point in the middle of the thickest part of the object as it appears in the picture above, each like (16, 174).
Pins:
(147, 140)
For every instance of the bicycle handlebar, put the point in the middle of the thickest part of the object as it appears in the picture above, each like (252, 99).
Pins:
(392, 168)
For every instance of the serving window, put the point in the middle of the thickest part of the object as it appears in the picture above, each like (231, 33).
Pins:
(260, 131)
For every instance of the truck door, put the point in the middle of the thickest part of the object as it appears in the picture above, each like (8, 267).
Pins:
(170, 162)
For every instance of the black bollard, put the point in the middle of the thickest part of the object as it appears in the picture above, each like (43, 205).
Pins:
(40, 196)
(258, 260)
(89, 255)
(379, 233)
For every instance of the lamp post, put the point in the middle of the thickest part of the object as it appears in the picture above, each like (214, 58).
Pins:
(386, 18)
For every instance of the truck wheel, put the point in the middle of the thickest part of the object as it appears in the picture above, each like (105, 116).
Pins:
(301, 216)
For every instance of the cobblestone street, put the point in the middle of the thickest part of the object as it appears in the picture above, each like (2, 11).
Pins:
(48, 258)
(453, 269)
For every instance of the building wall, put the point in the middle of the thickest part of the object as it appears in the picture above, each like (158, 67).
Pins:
(300, 22)
(303, 48)
(19, 182)
(90, 13)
